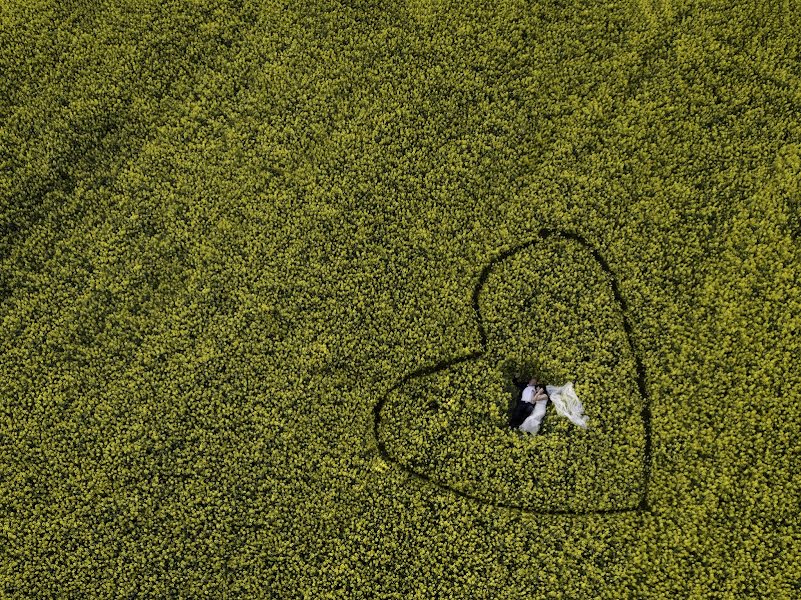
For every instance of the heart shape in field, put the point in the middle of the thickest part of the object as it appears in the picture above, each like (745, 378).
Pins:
(448, 423)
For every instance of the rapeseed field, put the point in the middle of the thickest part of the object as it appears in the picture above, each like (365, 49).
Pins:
(270, 270)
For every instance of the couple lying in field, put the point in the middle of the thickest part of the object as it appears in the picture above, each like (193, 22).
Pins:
(530, 409)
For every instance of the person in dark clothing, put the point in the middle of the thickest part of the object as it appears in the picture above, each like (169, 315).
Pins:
(518, 411)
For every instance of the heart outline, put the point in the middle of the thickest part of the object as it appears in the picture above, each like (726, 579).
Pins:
(642, 506)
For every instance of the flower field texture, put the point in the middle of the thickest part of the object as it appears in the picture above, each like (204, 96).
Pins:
(268, 271)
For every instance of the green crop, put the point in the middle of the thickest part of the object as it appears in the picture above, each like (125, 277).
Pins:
(268, 272)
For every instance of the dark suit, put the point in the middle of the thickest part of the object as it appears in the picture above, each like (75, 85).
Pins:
(520, 413)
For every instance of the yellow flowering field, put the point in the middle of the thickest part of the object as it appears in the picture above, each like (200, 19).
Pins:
(270, 270)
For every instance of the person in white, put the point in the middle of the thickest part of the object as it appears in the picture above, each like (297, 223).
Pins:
(564, 400)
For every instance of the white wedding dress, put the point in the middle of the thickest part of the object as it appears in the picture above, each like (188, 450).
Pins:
(567, 403)
(564, 400)
(532, 422)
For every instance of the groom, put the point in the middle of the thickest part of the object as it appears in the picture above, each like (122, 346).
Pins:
(530, 409)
